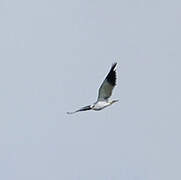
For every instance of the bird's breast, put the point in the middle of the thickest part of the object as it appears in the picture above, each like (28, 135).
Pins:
(100, 105)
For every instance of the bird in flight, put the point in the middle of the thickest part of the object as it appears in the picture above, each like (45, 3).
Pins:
(105, 91)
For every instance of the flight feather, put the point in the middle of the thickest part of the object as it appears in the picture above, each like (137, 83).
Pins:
(105, 90)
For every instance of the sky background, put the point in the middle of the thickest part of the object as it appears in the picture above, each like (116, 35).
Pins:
(53, 57)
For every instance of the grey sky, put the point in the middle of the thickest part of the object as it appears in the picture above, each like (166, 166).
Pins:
(54, 56)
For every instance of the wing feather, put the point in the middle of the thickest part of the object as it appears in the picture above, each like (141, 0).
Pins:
(105, 90)
(86, 108)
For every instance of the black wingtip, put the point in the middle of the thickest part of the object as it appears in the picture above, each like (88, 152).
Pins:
(111, 77)
(113, 65)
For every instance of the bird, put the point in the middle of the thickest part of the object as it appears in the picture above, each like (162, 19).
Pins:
(104, 93)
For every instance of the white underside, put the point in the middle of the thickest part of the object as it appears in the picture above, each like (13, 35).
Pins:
(100, 105)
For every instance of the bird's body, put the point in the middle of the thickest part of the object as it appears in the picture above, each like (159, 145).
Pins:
(100, 105)
(105, 91)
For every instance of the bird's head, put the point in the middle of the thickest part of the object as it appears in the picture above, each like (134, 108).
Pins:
(113, 101)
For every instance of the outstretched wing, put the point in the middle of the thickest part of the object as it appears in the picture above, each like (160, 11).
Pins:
(105, 91)
(81, 109)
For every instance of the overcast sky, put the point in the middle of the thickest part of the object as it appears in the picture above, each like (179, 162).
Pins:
(53, 57)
